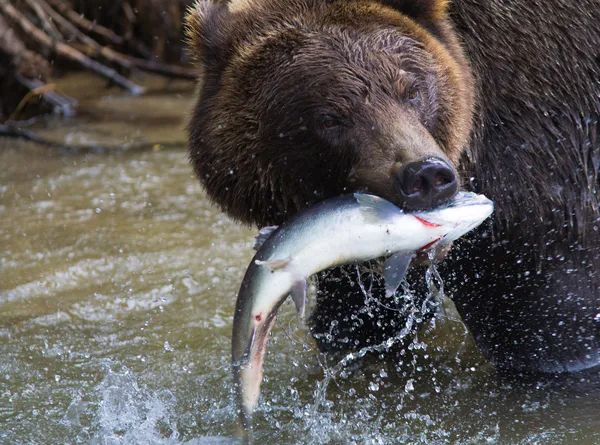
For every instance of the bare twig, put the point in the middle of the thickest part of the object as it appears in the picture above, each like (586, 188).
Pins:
(163, 68)
(91, 26)
(66, 51)
(25, 61)
(84, 23)
(107, 53)
(150, 66)
(140, 48)
(129, 21)
(46, 21)
(72, 32)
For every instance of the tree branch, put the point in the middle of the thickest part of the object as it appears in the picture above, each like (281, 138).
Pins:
(66, 51)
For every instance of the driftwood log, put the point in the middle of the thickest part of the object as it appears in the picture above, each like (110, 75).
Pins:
(110, 38)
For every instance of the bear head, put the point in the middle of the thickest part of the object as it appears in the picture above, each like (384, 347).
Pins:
(302, 100)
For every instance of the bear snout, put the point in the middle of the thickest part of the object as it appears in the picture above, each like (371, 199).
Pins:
(425, 184)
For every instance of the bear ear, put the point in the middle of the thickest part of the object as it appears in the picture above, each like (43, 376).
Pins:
(207, 31)
(424, 12)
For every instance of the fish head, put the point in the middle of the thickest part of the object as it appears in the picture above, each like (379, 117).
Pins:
(459, 216)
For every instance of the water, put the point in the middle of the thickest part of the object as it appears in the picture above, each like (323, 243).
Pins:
(117, 287)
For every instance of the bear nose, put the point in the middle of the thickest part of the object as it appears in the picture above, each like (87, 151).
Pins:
(425, 184)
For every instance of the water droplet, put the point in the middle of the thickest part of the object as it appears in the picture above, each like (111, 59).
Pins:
(168, 347)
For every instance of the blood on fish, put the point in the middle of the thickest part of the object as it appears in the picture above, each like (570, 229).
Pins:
(258, 317)
(426, 223)
(427, 246)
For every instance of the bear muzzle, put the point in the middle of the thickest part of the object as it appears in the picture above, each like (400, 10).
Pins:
(424, 184)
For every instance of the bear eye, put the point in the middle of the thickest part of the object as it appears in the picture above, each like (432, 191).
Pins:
(329, 121)
(414, 95)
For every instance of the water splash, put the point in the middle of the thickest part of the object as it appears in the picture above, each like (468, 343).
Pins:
(414, 315)
(125, 412)
(414, 311)
(435, 286)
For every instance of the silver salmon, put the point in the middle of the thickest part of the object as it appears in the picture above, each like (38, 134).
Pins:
(342, 230)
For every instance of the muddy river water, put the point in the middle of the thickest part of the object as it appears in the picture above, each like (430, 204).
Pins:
(117, 286)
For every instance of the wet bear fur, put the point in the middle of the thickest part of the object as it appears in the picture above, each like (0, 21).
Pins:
(301, 100)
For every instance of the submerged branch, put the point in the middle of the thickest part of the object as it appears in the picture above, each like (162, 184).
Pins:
(64, 104)
(13, 131)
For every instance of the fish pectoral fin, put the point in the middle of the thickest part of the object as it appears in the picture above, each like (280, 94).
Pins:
(273, 264)
(394, 271)
(263, 235)
(375, 209)
(299, 296)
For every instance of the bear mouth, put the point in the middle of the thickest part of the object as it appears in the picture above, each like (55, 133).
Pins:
(415, 186)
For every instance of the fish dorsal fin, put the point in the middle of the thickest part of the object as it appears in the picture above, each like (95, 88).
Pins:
(263, 235)
(299, 296)
(375, 209)
(274, 264)
(394, 271)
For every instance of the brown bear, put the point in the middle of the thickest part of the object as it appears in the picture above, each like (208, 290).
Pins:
(302, 100)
